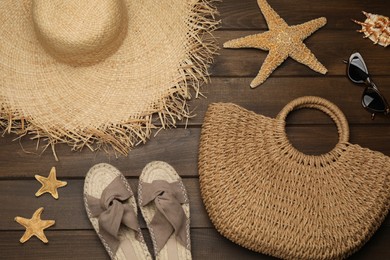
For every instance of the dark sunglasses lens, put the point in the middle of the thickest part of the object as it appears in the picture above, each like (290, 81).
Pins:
(356, 74)
(372, 100)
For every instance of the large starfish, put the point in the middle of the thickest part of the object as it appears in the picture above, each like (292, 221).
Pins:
(49, 184)
(34, 226)
(282, 41)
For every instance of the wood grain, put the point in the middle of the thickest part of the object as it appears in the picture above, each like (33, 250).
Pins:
(329, 46)
(309, 131)
(245, 14)
(206, 244)
(178, 147)
(269, 98)
(69, 211)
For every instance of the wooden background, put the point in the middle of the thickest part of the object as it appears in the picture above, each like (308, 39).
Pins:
(309, 131)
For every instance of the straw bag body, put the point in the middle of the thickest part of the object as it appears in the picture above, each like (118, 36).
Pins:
(263, 194)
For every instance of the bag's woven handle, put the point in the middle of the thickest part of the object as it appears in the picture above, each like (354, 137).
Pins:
(321, 104)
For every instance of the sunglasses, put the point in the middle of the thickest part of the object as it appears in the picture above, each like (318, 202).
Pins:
(372, 100)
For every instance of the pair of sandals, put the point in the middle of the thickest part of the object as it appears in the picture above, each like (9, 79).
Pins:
(162, 198)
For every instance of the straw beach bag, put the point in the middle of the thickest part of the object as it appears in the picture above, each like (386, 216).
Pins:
(93, 73)
(263, 194)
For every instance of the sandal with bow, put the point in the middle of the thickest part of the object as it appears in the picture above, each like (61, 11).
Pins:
(112, 210)
(165, 207)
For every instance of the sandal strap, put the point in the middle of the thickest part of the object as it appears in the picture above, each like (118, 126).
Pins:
(169, 217)
(112, 210)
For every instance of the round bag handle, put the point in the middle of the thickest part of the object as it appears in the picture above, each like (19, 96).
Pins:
(325, 106)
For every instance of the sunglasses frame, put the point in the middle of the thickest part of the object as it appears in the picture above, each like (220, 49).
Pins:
(370, 85)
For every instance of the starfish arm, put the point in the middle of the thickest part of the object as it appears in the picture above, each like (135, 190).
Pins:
(52, 174)
(41, 191)
(40, 178)
(303, 55)
(37, 213)
(272, 18)
(26, 223)
(273, 60)
(304, 30)
(258, 41)
(22, 221)
(53, 178)
(40, 234)
(47, 223)
(26, 236)
(61, 184)
(54, 193)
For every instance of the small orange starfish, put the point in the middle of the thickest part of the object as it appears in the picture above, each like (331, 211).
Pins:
(49, 184)
(34, 226)
(282, 41)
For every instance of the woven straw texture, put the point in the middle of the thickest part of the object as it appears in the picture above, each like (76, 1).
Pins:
(92, 73)
(263, 194)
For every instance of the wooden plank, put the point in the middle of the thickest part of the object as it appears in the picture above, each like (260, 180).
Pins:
(178, 147)
(309, 131)
(245, 14)
(330, 47)
(69, 211)
(206, 244)
(269, 98)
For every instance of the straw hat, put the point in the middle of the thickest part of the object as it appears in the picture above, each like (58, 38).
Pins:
(91, 73)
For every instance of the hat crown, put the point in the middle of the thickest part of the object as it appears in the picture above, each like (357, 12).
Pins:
(80, 33)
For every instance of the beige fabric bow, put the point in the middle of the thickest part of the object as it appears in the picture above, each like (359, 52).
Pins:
(170, 217)
(111, 212)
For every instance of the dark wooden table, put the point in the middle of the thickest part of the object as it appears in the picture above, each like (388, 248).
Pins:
(310, 131)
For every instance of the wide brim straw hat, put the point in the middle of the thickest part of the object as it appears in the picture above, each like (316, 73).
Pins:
(93, 73)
